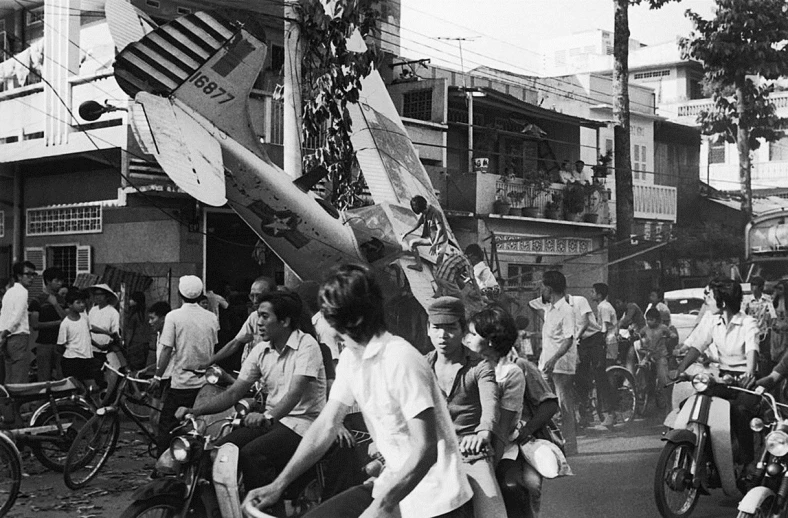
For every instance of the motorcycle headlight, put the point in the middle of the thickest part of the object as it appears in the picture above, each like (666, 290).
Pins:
(242, 408)
(701, 382)
(777, 443)
(756, 424)
(181, 449)
(166, 464)
(212, 375)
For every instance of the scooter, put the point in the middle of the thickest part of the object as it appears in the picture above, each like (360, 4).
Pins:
(698, 454)
(770, 497)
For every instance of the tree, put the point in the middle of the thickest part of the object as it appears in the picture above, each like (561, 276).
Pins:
(625, 213)
(332, 77)
(745, 43)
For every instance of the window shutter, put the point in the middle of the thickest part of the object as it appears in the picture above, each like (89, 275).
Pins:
(37, 256)
(84, 259)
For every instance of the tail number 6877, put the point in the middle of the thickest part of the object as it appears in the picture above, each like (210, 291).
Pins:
(210, 88)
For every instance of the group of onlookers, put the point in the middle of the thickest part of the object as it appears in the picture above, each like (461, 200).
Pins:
(71, 331)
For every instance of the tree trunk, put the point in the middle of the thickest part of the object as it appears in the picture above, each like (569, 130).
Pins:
(622, 159)
(743, 147)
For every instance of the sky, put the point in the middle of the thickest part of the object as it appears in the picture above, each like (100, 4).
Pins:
(506, 33)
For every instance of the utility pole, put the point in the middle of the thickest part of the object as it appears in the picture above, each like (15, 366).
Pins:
(468, 98)
(292, 104)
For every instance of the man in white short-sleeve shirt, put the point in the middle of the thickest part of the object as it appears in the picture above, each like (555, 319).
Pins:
(559, 349)
(188, 337)
(402, 406)
(289, 365)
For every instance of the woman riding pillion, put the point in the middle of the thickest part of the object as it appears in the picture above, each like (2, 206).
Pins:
(735, 335)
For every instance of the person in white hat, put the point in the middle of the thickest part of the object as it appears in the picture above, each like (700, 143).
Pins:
(104, 327)
(188, 338)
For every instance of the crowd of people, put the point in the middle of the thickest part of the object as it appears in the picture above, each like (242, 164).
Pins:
(456, 428)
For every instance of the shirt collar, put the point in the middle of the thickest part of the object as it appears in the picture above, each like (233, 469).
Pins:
(375, 345)
(557, 304)
(736, 319)
(432, 357)
(293, 341)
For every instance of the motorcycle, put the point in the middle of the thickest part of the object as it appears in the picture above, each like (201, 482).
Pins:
(770, 498)
(698, 454)
(189, 469)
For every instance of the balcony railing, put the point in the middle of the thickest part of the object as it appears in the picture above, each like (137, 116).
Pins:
(654, 202)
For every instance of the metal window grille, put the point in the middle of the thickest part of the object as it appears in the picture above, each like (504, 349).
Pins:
(65, 258)
(717, 153)
(656, 73)
(64, 220)
(778, 151)
(418, 104)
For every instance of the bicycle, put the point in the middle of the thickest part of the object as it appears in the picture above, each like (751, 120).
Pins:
(98, 438)
(54, 425)
(10, 473)
(623, 389)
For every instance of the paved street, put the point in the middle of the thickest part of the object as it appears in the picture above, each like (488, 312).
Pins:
(613, 479)
(614, 475)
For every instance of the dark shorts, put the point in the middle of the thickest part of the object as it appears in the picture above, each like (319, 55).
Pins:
(80, 368)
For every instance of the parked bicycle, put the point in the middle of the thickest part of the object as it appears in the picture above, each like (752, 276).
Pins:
(98, 438)
(10, 473)
(54, 425)
(624, 392)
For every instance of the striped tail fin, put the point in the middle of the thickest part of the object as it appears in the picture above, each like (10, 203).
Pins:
(202, 60)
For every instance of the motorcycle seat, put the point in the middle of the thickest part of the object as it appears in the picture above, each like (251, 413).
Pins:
(42, 388)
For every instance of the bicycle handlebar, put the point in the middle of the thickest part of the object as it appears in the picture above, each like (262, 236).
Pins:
(254, 512)
(107, 366)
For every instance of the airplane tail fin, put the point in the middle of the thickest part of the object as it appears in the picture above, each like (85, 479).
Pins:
(203, 60)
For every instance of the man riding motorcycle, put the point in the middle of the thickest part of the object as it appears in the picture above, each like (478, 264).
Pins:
(290, 366)
(735, 336)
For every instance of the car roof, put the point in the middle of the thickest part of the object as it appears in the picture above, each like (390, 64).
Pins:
(687, 293)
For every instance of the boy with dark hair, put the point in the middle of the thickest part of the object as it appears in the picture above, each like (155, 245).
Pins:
(481, 272)
(654, 348)
(433, 232)
(46, 313)
(402, 406)
(469, 384)
(74, 338)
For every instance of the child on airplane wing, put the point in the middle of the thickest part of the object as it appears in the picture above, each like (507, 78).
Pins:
(433, 233)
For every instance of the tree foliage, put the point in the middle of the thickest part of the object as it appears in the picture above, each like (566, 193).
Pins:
(742, 49)
(332, 77)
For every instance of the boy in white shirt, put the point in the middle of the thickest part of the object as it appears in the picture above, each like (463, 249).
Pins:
(74, 336)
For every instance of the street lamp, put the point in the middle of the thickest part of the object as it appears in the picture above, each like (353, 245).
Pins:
(91, 110)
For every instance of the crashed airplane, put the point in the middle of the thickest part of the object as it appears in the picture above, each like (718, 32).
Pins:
(190, 81)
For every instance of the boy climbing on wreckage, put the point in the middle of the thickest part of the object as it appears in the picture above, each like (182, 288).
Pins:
(433, 233)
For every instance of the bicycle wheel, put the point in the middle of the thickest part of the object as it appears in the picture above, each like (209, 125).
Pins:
(624, 394)
(91, 449)
(138, 403)
(642, 389)
(10, 473)
(52, 454)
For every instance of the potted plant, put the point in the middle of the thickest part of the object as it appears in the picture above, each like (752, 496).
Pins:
(552, 209)
(595, 193)
(574, 201)
(516, 196)
(535, 184)
(602, 167)
(500, 205)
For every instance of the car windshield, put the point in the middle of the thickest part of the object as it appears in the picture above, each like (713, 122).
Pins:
(684, 306)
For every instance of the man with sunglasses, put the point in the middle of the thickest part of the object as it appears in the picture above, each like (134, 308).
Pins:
(14, 325)
(249, 335)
